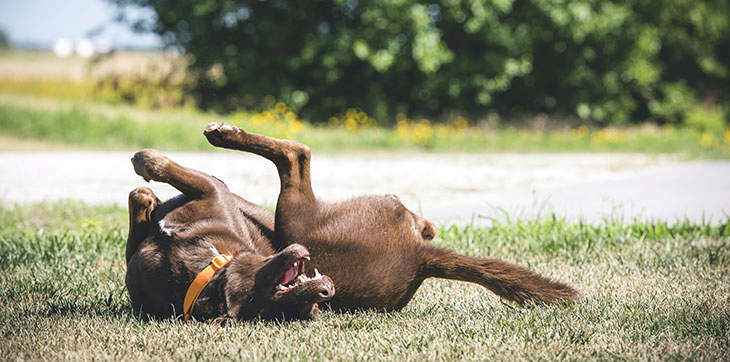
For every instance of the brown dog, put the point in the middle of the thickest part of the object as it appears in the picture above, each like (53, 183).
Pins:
(374, 250)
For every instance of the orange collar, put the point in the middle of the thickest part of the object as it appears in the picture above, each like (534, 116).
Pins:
(203, 278)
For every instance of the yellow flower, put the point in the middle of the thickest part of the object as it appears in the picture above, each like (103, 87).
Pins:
(296, 126)
(706, 140)
(351, 124)
(351, 113)
(403, 129)
(423, 133)
(290, 116)
(460, 123)
(605, 135)
(353, 120)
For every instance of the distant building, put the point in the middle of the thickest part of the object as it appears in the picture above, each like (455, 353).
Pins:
(63, 48)
(84, 48)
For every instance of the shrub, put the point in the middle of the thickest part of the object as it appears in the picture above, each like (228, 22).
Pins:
(4, 42)
(603, 61)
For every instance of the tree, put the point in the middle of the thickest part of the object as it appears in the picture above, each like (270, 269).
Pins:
(4, 43)
(602, 60)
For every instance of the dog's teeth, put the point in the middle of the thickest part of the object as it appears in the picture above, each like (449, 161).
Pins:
(302, 278)
(317, 275)
(306, 257)
(296, 264)
(280, 287)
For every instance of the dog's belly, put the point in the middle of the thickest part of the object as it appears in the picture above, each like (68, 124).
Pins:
(370, 248)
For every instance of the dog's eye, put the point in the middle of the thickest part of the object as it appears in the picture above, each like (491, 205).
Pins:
(428, 232)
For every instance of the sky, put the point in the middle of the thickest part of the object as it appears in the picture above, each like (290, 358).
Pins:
(41, 22)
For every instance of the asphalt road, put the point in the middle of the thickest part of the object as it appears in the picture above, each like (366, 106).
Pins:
(446, 188)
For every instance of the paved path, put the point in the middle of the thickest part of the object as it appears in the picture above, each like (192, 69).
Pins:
(442, 187)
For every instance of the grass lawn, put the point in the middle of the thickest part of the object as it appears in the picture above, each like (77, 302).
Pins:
(653, 290)
(89, 125)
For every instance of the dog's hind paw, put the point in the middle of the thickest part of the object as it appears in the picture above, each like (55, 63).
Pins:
(221, 127)
(223, 135)
(212, 126)
(150, 164)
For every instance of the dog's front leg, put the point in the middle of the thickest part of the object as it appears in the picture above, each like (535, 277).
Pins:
(223, 321)
(152, 165)
(142, 201)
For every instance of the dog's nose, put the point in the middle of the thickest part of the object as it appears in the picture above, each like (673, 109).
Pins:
(327, 289)
(325, 293)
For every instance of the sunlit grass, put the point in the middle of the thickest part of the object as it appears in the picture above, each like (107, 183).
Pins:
(49, 88)
(104, 126)
(105, 104)
(145, 80)
(652, 290)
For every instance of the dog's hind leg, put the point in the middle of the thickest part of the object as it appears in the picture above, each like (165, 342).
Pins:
(152, 165)
(509, 281)
(142, 201)
(296, 207)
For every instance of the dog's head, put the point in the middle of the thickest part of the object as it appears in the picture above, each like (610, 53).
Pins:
(277, 287)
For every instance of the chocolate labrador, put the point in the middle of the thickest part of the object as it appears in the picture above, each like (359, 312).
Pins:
(372, 249)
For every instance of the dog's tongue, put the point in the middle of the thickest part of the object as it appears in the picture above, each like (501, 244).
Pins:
(290, 274)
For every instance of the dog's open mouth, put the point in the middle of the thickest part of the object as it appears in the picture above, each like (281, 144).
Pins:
(294, 276)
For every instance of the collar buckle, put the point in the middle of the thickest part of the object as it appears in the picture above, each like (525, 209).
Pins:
(220, 261)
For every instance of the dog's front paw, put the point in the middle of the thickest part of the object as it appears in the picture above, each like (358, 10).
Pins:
(142, 201)
(223, 135)
(143, 198)
(223, 321)
(150, 164)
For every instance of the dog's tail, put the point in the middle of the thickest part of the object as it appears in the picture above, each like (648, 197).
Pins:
(509, 281)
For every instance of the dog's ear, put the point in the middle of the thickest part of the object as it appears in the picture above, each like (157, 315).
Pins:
(427, 229)
(239, 286)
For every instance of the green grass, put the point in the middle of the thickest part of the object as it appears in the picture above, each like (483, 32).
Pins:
(652, 290)
(103, 126)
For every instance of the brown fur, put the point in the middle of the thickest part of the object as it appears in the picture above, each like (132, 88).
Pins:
(375, 251)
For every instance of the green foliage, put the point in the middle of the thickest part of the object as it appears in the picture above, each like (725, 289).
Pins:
(77, 126)
(560, 237)
(603, 61)
(706, 119)
(4, 41)
(67, 215)
(97, 126)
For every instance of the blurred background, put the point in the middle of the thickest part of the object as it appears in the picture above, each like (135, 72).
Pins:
(566, 87)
